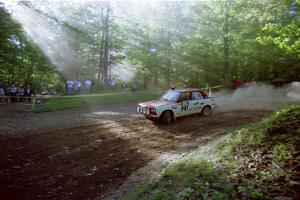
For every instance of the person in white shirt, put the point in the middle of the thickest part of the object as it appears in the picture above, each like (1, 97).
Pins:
(87, 85)
(69, 87)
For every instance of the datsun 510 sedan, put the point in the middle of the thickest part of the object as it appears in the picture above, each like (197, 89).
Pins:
(177, 103)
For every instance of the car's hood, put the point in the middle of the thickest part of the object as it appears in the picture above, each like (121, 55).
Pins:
(155, 103)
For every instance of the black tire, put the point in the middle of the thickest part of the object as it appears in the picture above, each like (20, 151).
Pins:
(166, 117)
(206, 111)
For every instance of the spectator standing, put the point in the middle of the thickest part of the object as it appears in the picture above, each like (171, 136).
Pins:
(13, 93)
(2, 94)
(278, 82)
(134, 87)
(113, 84)
(246, 84)
(124, 86)
(76, 86)
(93, 85)
(21, 93)
(253, 83)
(237, 83)
(33, 91)
(87, 85)
(28, 93)
(69, 87)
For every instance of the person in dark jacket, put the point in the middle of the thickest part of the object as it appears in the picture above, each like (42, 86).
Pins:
(28, 93)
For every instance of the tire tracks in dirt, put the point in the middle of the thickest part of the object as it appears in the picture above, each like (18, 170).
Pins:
(105, 158)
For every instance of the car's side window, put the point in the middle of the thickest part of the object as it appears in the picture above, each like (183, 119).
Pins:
(185, 96)
(196, 96)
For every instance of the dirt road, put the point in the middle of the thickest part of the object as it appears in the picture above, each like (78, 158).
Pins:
(101, 148)
(18, 118)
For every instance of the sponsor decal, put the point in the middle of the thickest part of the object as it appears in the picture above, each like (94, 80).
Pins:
(184, 106)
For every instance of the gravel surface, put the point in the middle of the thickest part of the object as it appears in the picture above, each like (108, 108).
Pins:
(17, 118)
(100, 152)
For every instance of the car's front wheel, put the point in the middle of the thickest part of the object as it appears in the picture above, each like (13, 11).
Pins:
(206, 111)
(166, 117)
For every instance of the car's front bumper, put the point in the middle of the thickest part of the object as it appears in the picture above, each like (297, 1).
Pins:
(146, 111)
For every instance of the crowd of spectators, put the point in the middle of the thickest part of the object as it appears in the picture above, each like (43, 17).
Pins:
(87, 86)
(16, 93)
(113, 85)
(77, 86)
(24, 93)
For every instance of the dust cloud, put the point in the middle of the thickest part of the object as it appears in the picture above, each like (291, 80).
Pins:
(125, 71)
(51, 32)
(52, 39)
(294, 92)
(261, 97)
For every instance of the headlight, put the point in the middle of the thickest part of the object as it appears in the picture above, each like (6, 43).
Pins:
(152, 111)
(147, 111)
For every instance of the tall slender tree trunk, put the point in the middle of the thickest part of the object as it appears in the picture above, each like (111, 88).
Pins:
(156, 76)
(168, 73)
(226, 44)
(168, 65)
(106, 46)
(145, 80)
(101, 53)
(22, 60)
(226, 60)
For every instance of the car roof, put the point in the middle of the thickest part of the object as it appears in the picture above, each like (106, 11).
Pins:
(186, 89)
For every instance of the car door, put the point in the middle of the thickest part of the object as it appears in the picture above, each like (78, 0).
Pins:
(184, 104)
(197, 102)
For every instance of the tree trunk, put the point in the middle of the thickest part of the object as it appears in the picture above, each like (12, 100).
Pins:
(101, 53)
(168, 73)
(145, 80)
(226, 44)
(106, 46)
(168, 64)
(226, 60)
(156, 77)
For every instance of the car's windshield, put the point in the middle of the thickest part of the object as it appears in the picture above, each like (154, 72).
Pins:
(171, 96)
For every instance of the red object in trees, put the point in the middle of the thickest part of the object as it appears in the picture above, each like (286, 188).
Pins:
(237, 83)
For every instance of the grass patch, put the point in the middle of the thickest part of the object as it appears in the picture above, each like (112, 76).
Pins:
(268, 156)
(191, 180)
(261, 161)
(67, 102)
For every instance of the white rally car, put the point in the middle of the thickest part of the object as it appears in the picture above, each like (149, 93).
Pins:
(177, 103)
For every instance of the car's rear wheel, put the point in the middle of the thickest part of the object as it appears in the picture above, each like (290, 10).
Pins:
(166, 117)
(206, 111)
